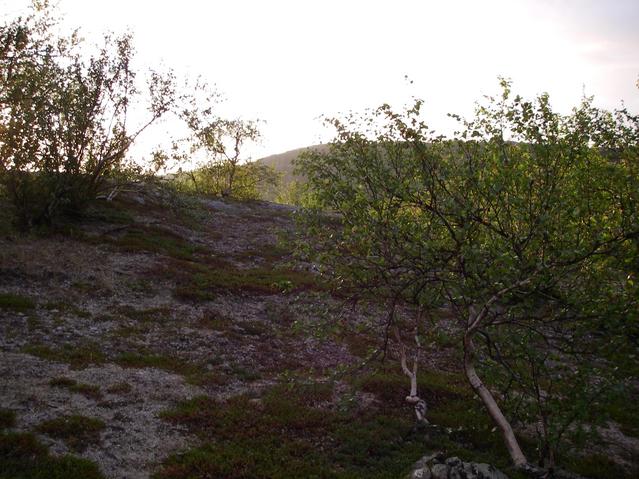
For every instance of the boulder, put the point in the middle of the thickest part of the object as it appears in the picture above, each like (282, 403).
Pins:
(439, 471)
(436, 466)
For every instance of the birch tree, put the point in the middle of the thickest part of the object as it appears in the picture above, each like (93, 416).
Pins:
(524, 225)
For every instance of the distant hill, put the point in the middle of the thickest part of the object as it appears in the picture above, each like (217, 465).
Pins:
(283, 162)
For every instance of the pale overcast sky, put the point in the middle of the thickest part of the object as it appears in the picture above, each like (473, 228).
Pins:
(287, 62)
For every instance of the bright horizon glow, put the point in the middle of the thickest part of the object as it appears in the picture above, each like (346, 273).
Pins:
(289, 62)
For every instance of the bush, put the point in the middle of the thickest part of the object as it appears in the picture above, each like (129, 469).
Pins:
(63, 116)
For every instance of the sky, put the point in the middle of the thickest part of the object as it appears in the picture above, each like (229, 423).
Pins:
(290, 62)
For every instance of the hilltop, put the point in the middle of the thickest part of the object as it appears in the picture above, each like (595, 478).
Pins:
(283, 162)
(179, 336)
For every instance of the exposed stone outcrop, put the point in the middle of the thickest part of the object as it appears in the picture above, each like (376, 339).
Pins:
(435, 466)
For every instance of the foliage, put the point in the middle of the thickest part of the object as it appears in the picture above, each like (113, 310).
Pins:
(64, 116)
(90, 391)
(524, 225)
(76, 431)
(7, 418)
(251, 180)
(296, 193)
(289, 434)
(23, 456)
(16, 302)
(78, 357)
(226, 171)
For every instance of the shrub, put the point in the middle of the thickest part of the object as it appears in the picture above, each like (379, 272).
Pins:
(63, 121)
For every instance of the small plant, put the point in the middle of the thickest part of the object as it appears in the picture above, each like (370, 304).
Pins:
(7, 419)
(22, 456)
(87, 390)
(216, 321)
(66, 127)
(203, 284)
(119, 388)
(16, 302)
(290, 432)
(77, 357)
(76, 431)
(150, 360)
(62, 382)
(156, 240)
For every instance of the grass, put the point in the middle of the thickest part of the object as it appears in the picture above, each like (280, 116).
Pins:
(65, 307)
(290, 432)
(216, 321)
(155, 239)
(244, 374)
(627, 418)
(109, 212)
(268, 253)
(120, 388)
(598, 466)
(22, 456)
(77, 356)
(7, 418)
(294, 431)
(204, 283)
(149, 315)
(87, 390)
(16, 302)
(150, 360)
(451, 406)
(75, 430)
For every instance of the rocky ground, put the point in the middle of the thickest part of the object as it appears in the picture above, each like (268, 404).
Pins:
(101, 310)
(155, 300)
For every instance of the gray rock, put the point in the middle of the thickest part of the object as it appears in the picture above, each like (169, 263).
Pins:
(435, 466)
(439, 471)
(456, 473)
(470, 471)
(421, 473)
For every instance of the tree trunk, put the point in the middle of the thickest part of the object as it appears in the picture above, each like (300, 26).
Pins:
(487, 398)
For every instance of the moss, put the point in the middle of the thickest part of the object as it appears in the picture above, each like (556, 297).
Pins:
(216, 321)
(245, 374)
(66, 307)
(451, 405)
(360, 345)
(22, 456)
(151, 360)
(210, 276)
(155, 240)
(62, 382)
(263, 458)
(617, 409)
(209, 379)
(149, 315)
(255, 328)
(75, 430)
(268, 253)
(16, 302)
(87, 390)
(598, 466)
(7, 418)
(109, 212)
(119, 388)
(290, 432)
(77, 356)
